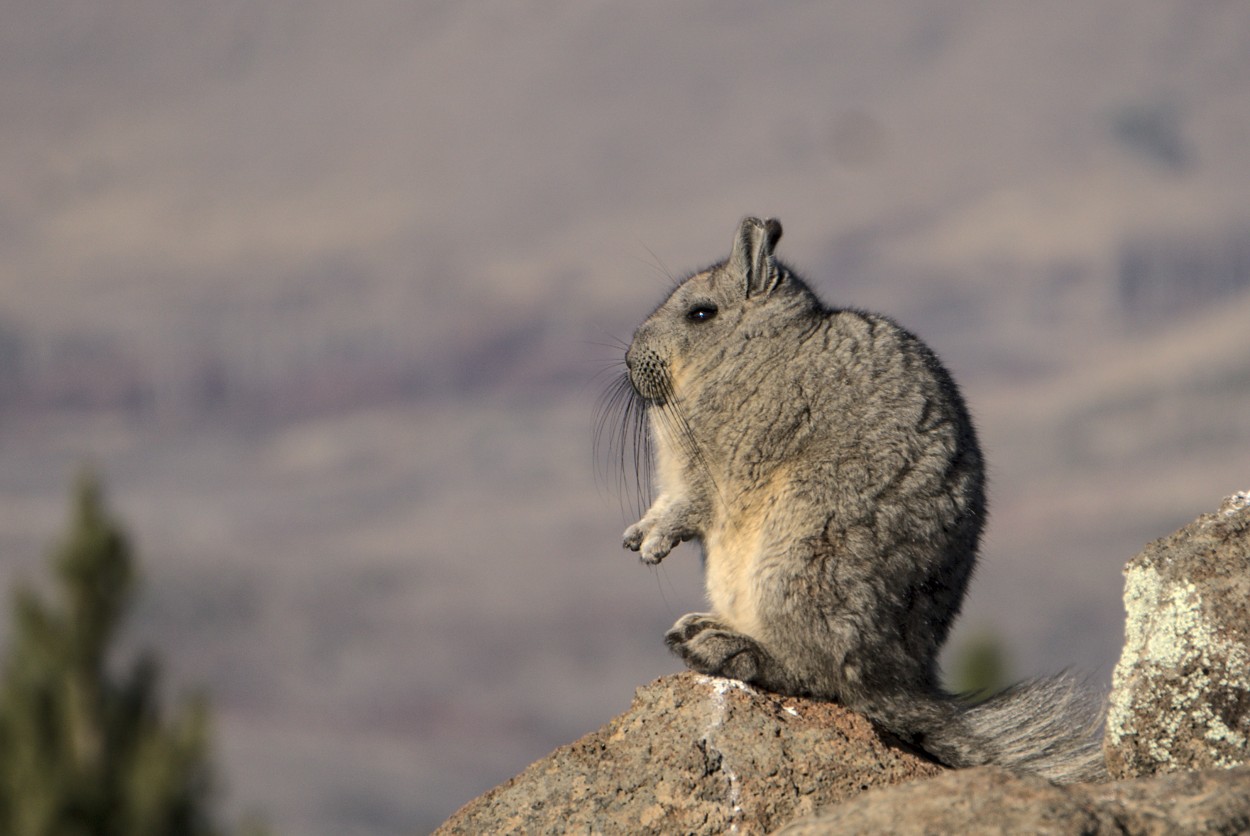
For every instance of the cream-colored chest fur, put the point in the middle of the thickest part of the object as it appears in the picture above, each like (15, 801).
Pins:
(732, 550)
(738, 563)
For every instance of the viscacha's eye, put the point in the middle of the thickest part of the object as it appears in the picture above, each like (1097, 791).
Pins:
(701, 313)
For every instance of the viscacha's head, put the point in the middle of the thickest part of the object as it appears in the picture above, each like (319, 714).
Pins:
(714, 313)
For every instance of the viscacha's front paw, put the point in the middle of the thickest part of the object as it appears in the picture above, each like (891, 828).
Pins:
(689, 626)
(633, 537)
(707, 646)
(652, 543)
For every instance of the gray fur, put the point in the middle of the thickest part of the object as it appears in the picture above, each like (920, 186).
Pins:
(827, 464)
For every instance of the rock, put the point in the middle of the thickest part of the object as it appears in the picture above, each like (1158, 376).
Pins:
(1216, 801)
(1180, 696)
(957, 803)
(696, 754)
(990, 800)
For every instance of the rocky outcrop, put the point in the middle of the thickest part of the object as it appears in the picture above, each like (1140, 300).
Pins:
(987, 800)
(1181, 693)
(695, 754)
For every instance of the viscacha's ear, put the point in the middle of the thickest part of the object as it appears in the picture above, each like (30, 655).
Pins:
(752, 256)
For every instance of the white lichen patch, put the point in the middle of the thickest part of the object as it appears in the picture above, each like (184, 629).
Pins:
(1179, 630)
(1218, 732)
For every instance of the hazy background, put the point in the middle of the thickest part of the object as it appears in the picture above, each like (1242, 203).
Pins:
(323, 290)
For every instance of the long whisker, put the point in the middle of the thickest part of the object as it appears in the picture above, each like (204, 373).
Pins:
(622, 444)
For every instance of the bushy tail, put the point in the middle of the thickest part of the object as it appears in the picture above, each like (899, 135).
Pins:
(1049, 727)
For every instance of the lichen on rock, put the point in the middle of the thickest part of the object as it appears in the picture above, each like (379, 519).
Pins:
(1181, 693)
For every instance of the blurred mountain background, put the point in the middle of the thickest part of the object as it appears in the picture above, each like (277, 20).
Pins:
(327, 292)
